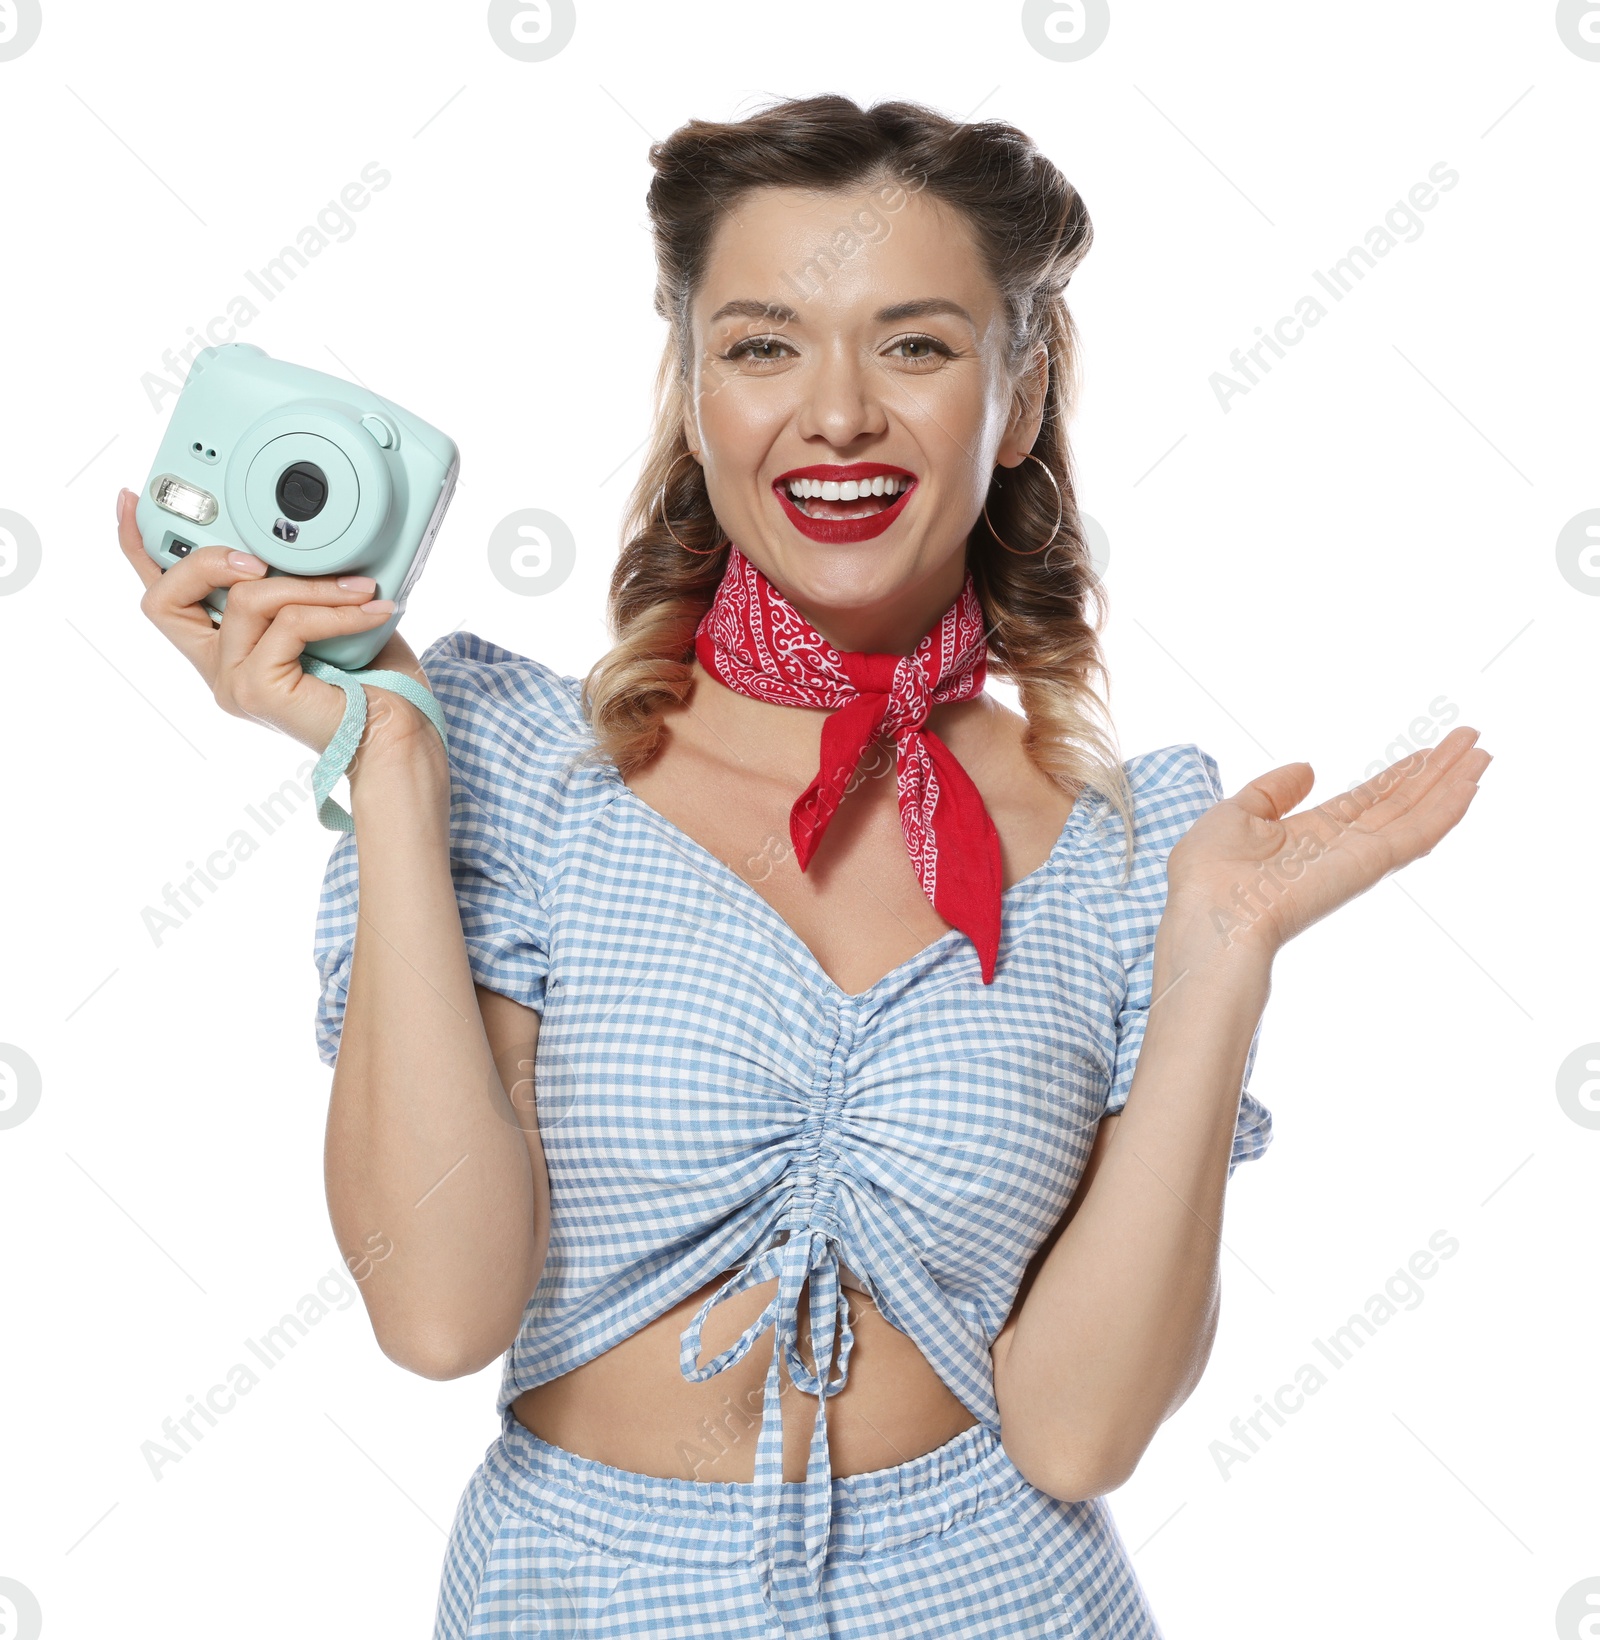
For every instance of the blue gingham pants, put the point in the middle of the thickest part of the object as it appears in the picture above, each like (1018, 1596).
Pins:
(548, 1544)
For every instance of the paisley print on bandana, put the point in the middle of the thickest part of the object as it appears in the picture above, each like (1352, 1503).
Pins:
(756, 642)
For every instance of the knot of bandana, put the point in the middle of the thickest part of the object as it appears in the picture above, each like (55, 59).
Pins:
(753, 640)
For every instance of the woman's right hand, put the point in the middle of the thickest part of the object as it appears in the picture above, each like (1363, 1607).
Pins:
(251, 660)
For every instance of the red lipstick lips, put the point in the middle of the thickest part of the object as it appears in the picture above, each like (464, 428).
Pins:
(839, 531)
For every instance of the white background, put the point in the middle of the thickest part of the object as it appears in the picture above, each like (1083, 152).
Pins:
(1359, 552)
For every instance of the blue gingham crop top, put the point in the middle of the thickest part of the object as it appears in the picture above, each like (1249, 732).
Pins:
(708, 1098)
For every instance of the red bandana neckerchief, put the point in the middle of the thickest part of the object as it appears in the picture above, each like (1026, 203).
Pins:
(756, 642)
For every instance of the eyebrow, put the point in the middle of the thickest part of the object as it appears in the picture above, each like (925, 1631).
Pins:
(778, 313)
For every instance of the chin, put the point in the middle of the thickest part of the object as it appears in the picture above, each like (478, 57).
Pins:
(861, 575)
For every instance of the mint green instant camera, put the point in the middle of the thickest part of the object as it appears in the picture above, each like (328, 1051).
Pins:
(313, 474)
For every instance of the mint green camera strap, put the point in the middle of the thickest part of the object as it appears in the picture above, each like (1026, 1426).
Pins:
(336, 755)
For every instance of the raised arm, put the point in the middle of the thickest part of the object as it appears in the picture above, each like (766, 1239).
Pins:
(431, 1141)
(1116, 1326)
(436, 1184)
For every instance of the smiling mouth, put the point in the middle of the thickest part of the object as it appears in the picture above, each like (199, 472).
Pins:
(820, 498)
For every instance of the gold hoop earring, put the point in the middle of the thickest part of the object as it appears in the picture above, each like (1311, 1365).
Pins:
(1053, 533)
(661, 507)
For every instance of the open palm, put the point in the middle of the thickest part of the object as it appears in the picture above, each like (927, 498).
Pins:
(1248, 876)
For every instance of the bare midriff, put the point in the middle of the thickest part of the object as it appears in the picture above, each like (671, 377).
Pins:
(631, 1407)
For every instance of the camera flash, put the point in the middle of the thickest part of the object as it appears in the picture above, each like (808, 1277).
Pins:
(186, 500)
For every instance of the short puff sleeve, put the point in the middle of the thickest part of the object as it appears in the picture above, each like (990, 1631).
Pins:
(1172, 788)
(513, 727)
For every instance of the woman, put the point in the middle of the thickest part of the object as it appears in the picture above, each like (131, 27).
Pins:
(778, 962)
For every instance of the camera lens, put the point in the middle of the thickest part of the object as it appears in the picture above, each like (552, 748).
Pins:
(302, 491)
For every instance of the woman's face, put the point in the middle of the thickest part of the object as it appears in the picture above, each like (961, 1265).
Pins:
(844, 330)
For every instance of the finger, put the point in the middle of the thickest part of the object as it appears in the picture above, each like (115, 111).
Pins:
(175, 599)
(274, 661)
(173, 591)
(1409, 823)
(173, 596)
(271, 684)
(254, 605)
(1407, 833)
(1407, 779)
(132, 542)
(1404, 784)
(1270, 796)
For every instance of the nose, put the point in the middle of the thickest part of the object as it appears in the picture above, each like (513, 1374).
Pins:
(840, 398)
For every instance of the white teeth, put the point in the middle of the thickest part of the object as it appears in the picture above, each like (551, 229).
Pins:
(851, 490)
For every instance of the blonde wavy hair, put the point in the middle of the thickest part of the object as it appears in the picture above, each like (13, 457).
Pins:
(1044, 612)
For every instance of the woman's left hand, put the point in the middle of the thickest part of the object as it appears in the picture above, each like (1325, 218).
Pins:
(1248, 876)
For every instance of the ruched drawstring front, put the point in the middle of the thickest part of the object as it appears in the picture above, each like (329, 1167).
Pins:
(808, 1255)
(704, 1084)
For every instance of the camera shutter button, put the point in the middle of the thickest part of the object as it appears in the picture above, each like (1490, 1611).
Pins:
(383, 432)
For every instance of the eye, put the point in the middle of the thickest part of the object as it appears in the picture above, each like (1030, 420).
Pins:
(747, 349)
(938, 349)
